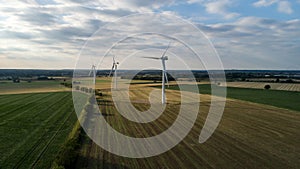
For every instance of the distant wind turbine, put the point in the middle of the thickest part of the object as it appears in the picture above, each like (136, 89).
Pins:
(163, 59)
(114, 69)
(94, 72)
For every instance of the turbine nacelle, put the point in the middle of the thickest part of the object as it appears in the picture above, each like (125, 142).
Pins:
(163, 58)
(92, 70)
(113, 71)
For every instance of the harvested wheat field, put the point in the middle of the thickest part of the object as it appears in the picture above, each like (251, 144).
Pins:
(261, 85)
(249, 135)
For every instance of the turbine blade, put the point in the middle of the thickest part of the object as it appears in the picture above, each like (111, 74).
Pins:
(156, 58)
(166, 50)
(112, 68)
(114, 61)
(90, 72)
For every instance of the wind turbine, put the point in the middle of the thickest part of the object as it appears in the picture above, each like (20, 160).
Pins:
(114, 68)
(93, 70)
(163, 59)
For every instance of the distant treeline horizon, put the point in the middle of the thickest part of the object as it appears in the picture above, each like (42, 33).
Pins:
(232, 73)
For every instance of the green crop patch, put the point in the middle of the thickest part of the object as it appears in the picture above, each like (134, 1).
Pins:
(8, 87)
(33, 127)
(277, 98)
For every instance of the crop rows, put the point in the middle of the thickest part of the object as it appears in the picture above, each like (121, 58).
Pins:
(34, 126)
(247, 137)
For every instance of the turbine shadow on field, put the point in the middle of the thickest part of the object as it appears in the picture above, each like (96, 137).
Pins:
(95, 163)
(107, 114)
(105, 102)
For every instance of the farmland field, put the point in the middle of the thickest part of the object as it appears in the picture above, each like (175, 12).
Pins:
(8, 87)
(250, 135)
(33, 127)
(260, 85)
(278, 98)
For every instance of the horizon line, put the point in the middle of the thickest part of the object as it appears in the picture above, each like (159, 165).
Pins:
(238, 69)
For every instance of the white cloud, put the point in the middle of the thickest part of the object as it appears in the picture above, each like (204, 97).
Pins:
(264, 3)
(285, 7)
(220, 7)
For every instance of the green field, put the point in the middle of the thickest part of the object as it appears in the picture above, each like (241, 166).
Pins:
(33, 127)
(8, 87)
(277, 98)
(103, 80)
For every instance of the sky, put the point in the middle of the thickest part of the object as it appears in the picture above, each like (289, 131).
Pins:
(49, 34)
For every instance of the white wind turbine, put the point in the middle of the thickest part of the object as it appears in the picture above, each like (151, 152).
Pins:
(163, 59)
(94, 72)
(114, 68)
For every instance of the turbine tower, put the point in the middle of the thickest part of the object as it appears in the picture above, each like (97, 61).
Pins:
(163, 59)
(114, 69)
(93, 70)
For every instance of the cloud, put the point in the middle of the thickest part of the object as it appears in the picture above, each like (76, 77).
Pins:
(283, 5)
(220, 7)
(256, 42)
(49, 30)
(129, 5)
(264, 3)
(57, 29)
(7, 34)
(37, 17)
